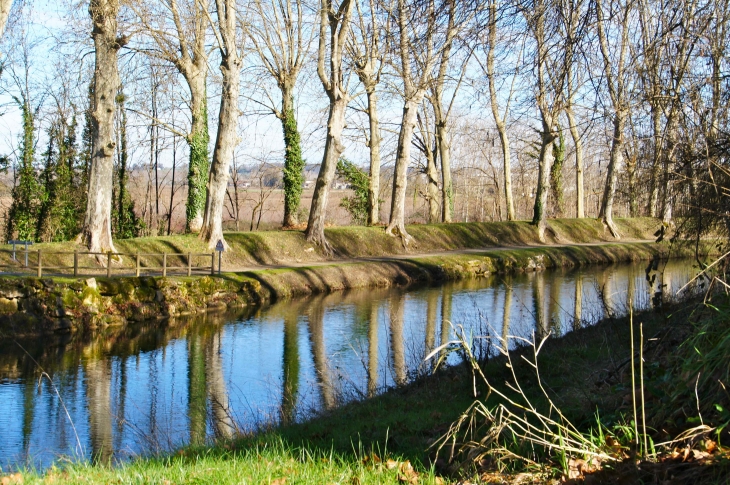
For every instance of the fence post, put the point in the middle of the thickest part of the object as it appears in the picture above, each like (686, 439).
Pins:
(212, 263)
(164, 264)
(109, 264)
(190, 264)
(40, 265)
(76, 262)
(136, 271)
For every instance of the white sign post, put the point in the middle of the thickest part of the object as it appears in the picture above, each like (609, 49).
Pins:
(219, 247)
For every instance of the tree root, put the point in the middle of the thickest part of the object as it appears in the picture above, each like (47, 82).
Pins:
(608, 222)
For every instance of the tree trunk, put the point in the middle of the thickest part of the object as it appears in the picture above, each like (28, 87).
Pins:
(507, 160)
(498, 120)
(374, 145)
(97, 227)
(633, 195)
(669, 164)
(397, 224)
(578, 144)
(332, 151)
(539, 217)
(447, 189)
(172, 185)
(656, 162)
(293, 162)
(614, 165)
(432, 191)
(226, 138)
(5, 6)
(198, 140)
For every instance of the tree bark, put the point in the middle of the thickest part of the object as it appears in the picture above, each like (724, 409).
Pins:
(499, 121)
(434, 208)
(226, 139)
(447, 189)
(397, 224)
(539, 217)
(614, 165)
(5, 6)
(332, 151)
(578, 144)
(374, 145)
(656, 161)
(338, 23)
(97, 227)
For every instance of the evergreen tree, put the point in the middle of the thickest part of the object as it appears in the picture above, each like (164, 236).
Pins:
(59, 218)
(27, 193)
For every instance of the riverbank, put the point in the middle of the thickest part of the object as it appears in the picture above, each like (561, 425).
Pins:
(388, 438)
(32, 306)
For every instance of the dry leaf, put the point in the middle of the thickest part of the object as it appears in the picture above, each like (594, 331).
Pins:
(13, 479)
(279, 481)
(391, 464)
(709, 445)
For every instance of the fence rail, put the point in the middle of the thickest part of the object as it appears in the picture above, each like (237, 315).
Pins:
(108, 264)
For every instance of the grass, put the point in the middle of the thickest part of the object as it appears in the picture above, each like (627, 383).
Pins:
(286, 247)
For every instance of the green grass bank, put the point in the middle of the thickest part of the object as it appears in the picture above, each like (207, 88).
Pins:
(247, 249)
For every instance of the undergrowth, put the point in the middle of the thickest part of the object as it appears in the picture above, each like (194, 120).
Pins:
(675, 414)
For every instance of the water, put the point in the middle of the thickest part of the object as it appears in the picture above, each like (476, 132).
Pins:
(151, 388)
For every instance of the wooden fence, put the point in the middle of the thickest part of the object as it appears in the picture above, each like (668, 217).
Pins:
(106, 264)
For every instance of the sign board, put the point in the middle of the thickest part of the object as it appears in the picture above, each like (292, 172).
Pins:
(219, 246)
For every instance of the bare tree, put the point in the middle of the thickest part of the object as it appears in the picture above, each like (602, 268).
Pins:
(670, 33)
(280, 41)
(225, 28)
(616, 72)
(183, 45)
(330, 47)
(97, 233)
(574, 29)
(417, 25)
(500, 117)
(441, 110)
(368, 47)
(549, 64)
(427, 143)
(684, 36)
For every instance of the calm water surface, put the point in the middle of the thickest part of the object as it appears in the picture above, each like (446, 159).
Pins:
(145, 389)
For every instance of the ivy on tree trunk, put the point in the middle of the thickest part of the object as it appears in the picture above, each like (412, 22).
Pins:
(293, 167)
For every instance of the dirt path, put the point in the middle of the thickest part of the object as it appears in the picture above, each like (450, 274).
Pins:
(401, 257)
